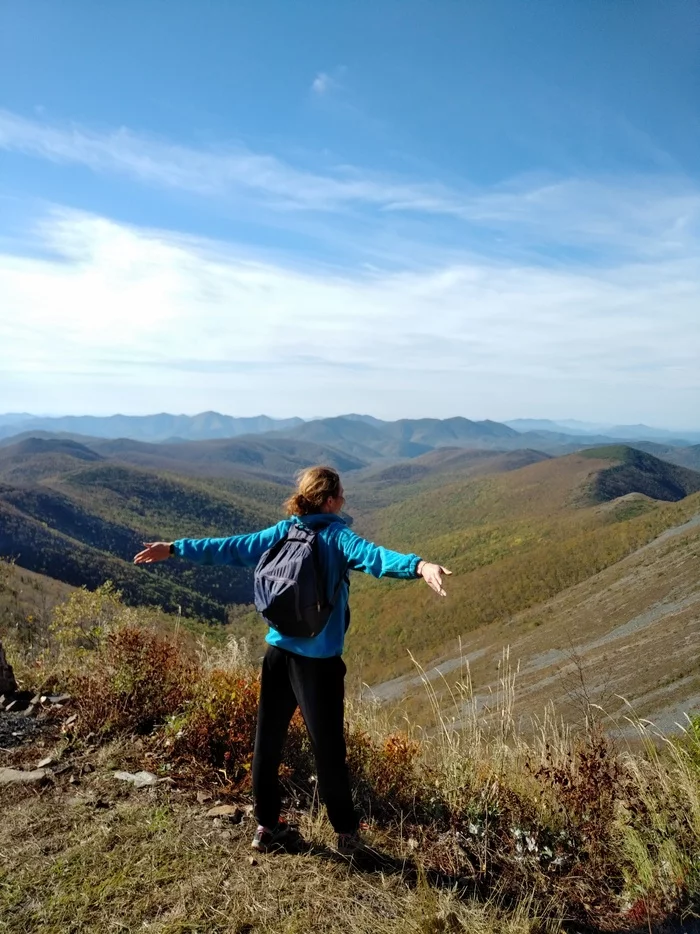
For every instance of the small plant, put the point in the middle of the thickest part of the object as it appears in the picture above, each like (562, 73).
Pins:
(217, 730)
(81, 622)
(136, 678)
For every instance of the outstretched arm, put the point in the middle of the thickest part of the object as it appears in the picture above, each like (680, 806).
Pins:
(240, 550)
(381, 562)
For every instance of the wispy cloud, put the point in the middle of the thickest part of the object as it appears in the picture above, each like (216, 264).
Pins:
(327, 81)
(322, 83)
(647, 217)
(213, 171)
(192, 324)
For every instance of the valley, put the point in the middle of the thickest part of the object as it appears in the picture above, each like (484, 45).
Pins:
(581, 559)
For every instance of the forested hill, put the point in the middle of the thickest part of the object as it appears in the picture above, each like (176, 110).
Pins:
(78, 512)
(80, 520)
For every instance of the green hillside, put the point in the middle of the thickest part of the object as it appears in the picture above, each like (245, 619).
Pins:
(513, 535)
(27, 600)
(512, 540)
(685, 456)
(36, 547)
(33, 459)
(377, 486)
(626, 635)
(84, 525)
(272, 459)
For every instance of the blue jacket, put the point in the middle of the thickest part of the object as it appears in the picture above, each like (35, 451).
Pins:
(340, 550)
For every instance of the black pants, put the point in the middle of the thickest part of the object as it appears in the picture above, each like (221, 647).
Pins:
(316, 685)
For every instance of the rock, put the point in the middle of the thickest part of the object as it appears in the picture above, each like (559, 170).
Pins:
(45, 763)
(18, 777)
(19, 701)
(87, 768)
(56, 698)
(253, 861)
(138, 779)
(232, 813)
(203, 797)
(75, 801)
(8, 684)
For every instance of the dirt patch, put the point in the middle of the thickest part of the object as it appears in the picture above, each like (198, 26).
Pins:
(16, 729)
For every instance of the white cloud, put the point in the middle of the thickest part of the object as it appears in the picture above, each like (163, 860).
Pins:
(322, 83)
(578, 296)
(325, 82)
(140, 320)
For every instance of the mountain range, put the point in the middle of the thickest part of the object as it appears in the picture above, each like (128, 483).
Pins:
(519, 526)
(165, 427)
(161, 427)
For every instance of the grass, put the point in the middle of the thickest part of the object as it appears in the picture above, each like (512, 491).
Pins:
(148, 863)
(477, 826)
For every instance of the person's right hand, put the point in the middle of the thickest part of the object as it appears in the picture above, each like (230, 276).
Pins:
(154, 551)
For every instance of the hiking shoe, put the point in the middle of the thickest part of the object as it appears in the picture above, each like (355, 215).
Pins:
(266, 839)
(349, 844)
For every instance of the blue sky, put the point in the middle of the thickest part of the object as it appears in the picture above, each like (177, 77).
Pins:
(488, 208)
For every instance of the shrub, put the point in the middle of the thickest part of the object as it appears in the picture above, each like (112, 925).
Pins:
(136, 678)
(217, 730)
(84, 619)
(384, 774)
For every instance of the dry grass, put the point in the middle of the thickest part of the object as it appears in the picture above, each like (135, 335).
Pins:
(148, 863)
(477, 826)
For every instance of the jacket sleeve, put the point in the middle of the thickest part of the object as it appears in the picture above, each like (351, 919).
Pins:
(239, 550)
(364, 556)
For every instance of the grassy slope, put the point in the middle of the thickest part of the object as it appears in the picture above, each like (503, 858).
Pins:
(85, 851)
(24, 592)
(154, 863)
(513, 541)
(629, 632)
(374, 488)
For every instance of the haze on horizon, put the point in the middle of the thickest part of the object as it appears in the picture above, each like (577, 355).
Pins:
(443, 209)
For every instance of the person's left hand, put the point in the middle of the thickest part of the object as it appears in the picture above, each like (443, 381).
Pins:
(432, 575)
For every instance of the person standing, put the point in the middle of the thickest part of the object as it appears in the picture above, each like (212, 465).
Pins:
(308, 673)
